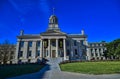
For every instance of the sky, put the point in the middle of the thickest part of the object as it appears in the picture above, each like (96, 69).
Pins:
(100, 19)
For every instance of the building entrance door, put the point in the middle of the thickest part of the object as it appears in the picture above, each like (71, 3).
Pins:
(53, 53)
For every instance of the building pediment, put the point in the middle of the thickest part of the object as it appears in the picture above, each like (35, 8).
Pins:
(53, 33)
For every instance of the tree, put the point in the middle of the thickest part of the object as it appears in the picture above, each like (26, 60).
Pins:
(6, 52)
(113, 49)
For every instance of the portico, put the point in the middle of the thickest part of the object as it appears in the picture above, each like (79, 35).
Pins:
(53, 47)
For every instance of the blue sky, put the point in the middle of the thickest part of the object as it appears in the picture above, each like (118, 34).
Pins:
(99, 18)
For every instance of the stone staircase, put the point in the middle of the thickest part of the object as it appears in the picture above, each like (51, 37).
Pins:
(54, 64)
(55, 60)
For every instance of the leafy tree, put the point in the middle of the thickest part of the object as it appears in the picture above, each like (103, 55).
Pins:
(6, 52)
(113, 49)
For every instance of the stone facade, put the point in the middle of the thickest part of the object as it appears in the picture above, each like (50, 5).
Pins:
(96, 50)
(54, 43)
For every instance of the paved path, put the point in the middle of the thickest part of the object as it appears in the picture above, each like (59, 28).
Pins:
(52, 71)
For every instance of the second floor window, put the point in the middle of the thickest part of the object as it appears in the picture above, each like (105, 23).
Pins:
(20, 54)
(75, 43)
(38, 43)
(53, 43)
(21, 43)
(81, 41)
(38, 53)
(67, 42)
(30, 43)
(29, 53)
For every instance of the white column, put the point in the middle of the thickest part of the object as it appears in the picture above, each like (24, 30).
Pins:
(64, 45)
(56, 47)
(17, 51)
(33, 51)
(102, 51)
(98, 52)
(94, 52)
(88, 54)
(41, 48)
(71, 48)
(25, 51)
(49, 48)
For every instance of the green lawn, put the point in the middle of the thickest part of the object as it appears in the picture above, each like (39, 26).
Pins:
(15, 70)
(107, 67)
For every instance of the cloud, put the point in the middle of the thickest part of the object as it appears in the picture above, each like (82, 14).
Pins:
(14, 4)
(24, 6)
(44, 6)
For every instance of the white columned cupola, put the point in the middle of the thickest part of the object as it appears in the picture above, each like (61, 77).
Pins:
(53, 23)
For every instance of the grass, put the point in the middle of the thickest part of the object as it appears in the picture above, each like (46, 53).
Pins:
(107, 67)
(16, 70)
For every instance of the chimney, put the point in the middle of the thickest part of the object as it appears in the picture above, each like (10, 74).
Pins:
(82, 32)
(22, 32)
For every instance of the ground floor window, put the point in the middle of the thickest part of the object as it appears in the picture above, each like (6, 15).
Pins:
(20, 54)
(76, 52)
(29, 54)
(68, 52)
(38, 53)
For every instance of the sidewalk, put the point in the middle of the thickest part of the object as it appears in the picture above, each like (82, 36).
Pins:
(52, 71)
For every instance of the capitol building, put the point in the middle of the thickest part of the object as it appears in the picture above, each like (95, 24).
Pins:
(53, 43)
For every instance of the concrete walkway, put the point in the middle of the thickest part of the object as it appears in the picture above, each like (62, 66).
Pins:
(52, 71)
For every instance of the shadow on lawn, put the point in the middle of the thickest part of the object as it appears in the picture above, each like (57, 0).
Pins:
(37, 75)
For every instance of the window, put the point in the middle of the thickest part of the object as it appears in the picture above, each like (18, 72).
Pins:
(98, 44)
(81, 41)
(99, 50)
(45, 43)
(68, 52)
(75, 42)
(96, 54)
(91, 50)
(30, 43)
(53, 43)
(92, 54)
(11, 57)
(38, 43)
(38, 53)
(29, 53)
(95, 50)
(61, 44)
(20, 54)
(12, 52)
(76, 52)
(21, 43)
(67, 42)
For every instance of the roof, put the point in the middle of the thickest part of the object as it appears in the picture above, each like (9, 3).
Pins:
(77, 36)
(97, 42)
(29, 36)
(53, 32)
